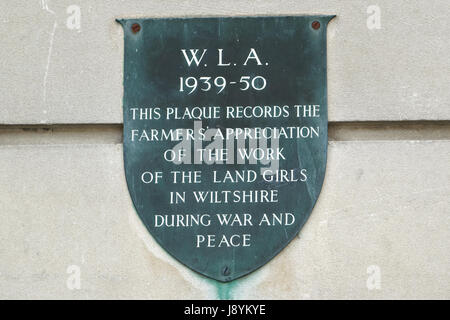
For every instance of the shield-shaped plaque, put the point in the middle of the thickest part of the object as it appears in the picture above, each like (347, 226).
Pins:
(225, 134)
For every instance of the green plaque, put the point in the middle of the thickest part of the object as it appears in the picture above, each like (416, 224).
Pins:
(225, 134)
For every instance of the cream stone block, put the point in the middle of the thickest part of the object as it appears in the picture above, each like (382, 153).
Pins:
(380, 230)
(385, 62)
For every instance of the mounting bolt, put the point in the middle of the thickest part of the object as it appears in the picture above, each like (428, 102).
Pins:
(226, 271)
(315, 25)
(135, 27)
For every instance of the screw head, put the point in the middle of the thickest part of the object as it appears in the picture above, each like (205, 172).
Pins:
(226, 271)
(315, 25)
(135, 27)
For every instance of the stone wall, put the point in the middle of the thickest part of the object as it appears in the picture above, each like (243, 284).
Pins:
(380, 229)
